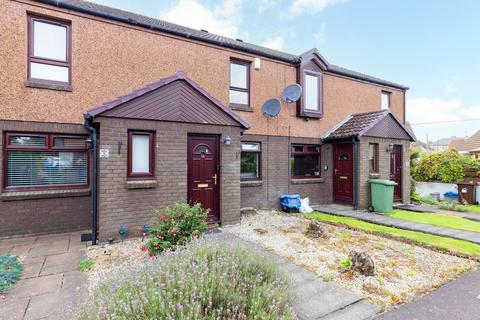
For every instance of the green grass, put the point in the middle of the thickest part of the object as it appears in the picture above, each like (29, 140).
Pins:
(85, 265)
(10, 271)
(436, 219)
(441, 243)
(473, 208)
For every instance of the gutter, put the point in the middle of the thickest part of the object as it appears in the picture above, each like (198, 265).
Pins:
(88, 124)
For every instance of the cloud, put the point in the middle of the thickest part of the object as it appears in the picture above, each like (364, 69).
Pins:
(450, 88)
(275, 43)
(428, 110)
(265, 5)
(314, 6)
(321, 35)
(222, 19)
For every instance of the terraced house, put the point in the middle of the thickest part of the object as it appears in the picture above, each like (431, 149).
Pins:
(107, 115)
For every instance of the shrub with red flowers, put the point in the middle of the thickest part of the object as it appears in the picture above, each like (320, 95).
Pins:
(176, 225)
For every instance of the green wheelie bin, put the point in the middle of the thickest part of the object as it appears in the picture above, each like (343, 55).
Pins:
(382, 195)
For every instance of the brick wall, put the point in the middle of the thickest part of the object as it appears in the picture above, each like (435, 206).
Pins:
(384, 167)
(275, 171)
(134, 207)
(51, 211)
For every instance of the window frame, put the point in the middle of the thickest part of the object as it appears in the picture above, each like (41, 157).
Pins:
(304, 111)
(259, 152)
(389, 100)
(247, 64)
(151, 173)
(49, 139)
(375, 159)
(31, 58)
(306, 153)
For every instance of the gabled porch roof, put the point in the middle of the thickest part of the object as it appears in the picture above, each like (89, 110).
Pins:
(382, 124)
(176, 98)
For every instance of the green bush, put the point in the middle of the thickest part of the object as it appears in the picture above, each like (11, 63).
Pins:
(345, 264)
(415, 197)
(199, 281)
(429, 200)
(176, 226)
(452, 206)
(85, 265)
(10, 271)
(446, 166)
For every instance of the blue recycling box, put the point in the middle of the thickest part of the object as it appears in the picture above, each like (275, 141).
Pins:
(290, 202)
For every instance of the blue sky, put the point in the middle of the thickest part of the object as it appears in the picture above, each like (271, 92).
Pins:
(432, 46)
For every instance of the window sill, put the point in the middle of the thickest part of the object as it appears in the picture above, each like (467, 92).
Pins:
(43, 85)
(251, 183)
(43, 194)
(239, 107)
(142, 184)
(374, 175)
(306, 181)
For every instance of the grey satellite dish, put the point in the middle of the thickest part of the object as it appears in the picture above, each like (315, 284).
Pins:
(292, 93)
(271, 108)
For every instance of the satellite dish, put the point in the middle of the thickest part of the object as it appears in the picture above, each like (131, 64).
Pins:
(292, 93)
(271, 108)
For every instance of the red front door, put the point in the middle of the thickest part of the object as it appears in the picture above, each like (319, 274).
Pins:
(396, 170)
(343, 172)
(203, 174)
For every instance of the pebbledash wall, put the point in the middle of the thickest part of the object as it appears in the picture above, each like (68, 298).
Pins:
(43, 211)
(123, 201)
(384, 167)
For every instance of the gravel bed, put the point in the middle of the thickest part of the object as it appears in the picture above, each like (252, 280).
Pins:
(402, 271)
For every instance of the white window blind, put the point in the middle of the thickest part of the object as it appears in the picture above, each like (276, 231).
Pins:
(140, 153)
(311, 92)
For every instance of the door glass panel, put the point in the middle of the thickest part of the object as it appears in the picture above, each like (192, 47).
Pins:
(344, 156)
(201, 148)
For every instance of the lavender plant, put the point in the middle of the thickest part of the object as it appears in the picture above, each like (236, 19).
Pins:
(201, 281)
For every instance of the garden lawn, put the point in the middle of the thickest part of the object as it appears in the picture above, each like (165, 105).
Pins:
(436, 219)
(473, 208)
(445, 244)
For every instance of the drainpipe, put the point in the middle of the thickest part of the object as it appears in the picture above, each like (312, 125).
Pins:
(355, 173)
(88, 124)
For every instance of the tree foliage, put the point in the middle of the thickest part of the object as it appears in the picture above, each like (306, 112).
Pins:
(445, 166)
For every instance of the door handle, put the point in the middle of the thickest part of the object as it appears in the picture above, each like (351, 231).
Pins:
(215, 179)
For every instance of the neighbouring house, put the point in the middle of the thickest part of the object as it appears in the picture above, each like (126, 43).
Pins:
(471, 146)
(456, 143)
(107, 115)
(422, 146)
(442, 144)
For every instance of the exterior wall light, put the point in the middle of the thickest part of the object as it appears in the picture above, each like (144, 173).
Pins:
(390, 147)
(227, 140)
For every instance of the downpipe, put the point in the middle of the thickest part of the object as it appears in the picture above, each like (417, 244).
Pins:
(355, 173)
(88, 124)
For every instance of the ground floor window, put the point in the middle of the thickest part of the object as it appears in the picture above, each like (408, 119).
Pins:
(305, 161)
(373, 157)
(141, 155)
(250, 161)
(45, 160)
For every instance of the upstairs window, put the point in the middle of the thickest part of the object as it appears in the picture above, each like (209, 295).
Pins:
(49, 57)
(305, 161)
(373, 157)
(250, 161)
(385, 100)
(35, 161)
(141, 155)
(311, 102)
(239, 83)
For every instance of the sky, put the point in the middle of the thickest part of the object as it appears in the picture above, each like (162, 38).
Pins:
(431, 46)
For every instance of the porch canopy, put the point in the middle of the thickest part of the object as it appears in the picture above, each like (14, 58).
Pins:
(174, 99)
(380, 124)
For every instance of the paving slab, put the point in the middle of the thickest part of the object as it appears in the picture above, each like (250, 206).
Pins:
(31, 270)
(360, 310)
(13, 309)
(36, 286)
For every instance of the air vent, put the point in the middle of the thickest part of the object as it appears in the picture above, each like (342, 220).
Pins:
(203, 30)
(239, 40)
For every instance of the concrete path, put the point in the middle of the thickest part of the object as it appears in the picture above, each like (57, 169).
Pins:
(459, 300)
(428, 208)
(312, 298)
(384, 220)
(50, 283)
